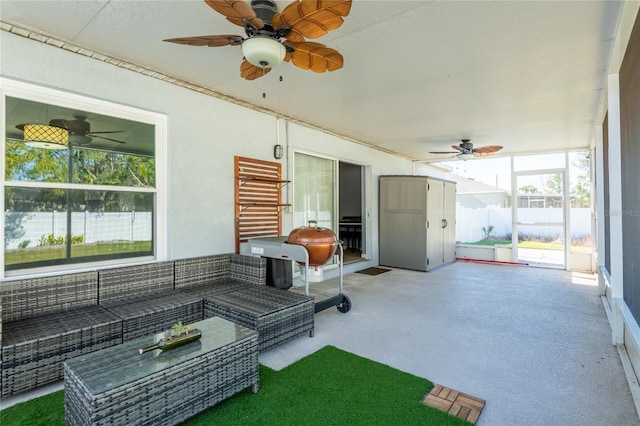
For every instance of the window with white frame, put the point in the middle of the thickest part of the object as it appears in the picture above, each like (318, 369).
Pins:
(96, 198)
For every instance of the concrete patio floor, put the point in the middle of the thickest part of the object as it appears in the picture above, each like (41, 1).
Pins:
(534, 343)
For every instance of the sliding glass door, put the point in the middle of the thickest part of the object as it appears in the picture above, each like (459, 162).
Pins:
(540, 214)
(314, 191)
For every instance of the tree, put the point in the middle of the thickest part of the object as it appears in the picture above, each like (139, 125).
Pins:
(553, 185)
(581, 191)
(87, 166)
(528, 189)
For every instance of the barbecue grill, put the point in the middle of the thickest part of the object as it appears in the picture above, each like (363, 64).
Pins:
(309, 246)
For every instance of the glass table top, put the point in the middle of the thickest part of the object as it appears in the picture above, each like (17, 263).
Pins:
(118, 365)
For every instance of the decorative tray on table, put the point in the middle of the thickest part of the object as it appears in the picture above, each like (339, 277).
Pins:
(177, 335)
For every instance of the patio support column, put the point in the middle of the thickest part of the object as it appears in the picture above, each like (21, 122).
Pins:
(566, 207)
(514, 213)
(600, 207)
(615, 210)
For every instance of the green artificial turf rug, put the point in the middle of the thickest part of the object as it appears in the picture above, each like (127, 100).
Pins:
(328, 387)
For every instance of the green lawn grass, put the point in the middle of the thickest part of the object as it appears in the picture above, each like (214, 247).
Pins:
(329, 387)
(489, 243)
(45, 253)
(529, 244)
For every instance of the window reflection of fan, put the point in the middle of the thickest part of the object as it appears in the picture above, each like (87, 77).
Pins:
(80, 130)
(265, 27)
(466, 150)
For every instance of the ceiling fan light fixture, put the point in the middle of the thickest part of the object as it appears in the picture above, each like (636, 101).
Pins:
(465, 156)
(48, 137)
(263, 52)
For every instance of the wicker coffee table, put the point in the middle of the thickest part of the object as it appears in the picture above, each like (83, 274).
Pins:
(118, 385)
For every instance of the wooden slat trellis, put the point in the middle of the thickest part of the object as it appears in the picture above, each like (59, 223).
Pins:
(258, 199)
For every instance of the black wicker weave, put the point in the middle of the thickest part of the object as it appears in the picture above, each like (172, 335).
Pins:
(34, 349)
(143, 296)
(118, 386)
(48, 320)
(239, 295)
(145, 315)
(207, 275)
(277, 315)
(32, 297)
(220, 268)
(248, 269)
(124, 283)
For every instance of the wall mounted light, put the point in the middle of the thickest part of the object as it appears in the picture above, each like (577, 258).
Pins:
(278, 151)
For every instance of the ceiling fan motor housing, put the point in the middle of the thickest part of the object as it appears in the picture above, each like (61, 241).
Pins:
(466, 145)
(265, 10)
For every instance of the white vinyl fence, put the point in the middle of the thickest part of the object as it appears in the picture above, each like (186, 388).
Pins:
(21, 227)
(469, 222)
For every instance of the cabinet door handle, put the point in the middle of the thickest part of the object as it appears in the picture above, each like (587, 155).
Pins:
(444, 223)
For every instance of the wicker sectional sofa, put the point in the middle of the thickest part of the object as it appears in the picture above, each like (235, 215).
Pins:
(47, 320)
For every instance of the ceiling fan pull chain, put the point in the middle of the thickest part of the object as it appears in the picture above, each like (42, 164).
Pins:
(264, 93)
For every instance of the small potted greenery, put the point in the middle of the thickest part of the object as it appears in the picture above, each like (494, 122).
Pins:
(177, 335)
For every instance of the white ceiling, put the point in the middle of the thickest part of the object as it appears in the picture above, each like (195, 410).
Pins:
(418, 76)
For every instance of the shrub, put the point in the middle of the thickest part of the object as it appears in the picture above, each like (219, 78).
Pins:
(77, 239)
(52, 240)
(487, 231)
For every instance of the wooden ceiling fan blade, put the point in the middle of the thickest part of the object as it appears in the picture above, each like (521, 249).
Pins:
(315, 57)
(209, 40)
(459, 148)
(312, 18)
(236, 11)
(293, 37)
(249, 71)
(483, 151)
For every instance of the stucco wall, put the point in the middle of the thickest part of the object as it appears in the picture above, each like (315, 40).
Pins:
(204, 135)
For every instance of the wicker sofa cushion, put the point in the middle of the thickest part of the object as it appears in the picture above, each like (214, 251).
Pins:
(249, 269)
(45, 295)
(210, 288)
(152, 314)
(34, 349)
(134, 281)
(202, 270)
(277, 315)
(206, 270)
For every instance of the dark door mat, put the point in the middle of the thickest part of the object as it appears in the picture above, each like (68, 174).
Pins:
(373, 271)
(454, 402)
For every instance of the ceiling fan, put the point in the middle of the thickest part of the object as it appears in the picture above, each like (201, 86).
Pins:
(466, 151)
(264, 48)
(80, 130)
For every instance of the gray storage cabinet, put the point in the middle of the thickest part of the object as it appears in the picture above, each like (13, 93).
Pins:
(417, 222)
